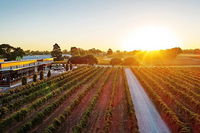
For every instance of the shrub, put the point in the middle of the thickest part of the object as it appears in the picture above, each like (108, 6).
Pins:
(25, 128)
(24, 80)
(49, 74)
(34, 77)
(41, 75)
(70, 66)
(115, 61)
(67, 67)
(130, 61)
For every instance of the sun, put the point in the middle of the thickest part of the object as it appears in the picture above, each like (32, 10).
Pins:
(150, 38)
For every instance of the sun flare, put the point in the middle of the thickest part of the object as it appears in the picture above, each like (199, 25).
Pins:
(151, 38)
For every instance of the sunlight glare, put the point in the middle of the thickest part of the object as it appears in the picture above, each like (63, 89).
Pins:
(150, 38)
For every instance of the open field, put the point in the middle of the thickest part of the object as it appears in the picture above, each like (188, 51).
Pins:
(185, 59)
(106, 99)
(180, 60)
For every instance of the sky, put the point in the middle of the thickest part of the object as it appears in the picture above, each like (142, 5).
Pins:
(102, 24)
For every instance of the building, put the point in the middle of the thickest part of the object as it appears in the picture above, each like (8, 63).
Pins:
(12, 71)
(1, 60)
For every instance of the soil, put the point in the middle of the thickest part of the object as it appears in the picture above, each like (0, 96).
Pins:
(75, 116)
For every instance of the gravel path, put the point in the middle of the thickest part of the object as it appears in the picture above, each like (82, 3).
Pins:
(149, 120)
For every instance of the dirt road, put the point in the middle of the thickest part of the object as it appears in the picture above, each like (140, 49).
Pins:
(149, 120)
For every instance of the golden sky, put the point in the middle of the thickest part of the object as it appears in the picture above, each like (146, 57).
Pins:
(116, 24)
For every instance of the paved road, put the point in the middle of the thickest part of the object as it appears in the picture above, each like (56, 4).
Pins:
(149, 120)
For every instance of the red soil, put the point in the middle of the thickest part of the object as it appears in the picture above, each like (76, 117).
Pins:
(96, 120)
(120, 118)
(77, 112)
(58, 111)
(31, 115)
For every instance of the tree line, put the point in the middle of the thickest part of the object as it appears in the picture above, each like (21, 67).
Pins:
(129, 61)
(16, 53)
(11, 53)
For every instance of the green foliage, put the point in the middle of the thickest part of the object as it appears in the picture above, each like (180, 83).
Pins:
(3, 111)
(24, 80)
(62, 86)
(67, 67)
(25, 128)
(57, 122)
(41, 75)
(41, 90)
(50, 129)
(11, 53)
(18, 116)
(50, 108)
(56, 53)
(84, 118)
(155, 91)
(70, 66)
(49, 74)
(108, 115)
(131, 111)
(35, 78)
(88, 59)
(76, 129)
(74, 51)
(61, 118)
(37, 52)
(81, 52)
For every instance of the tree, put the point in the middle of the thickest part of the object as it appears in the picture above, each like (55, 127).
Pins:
(3, 111)
(34, 77)
(173, 52)
(88, 59)
(74, 51)
(67, 67)
(11, 53)
(24, 80)
(115, 61)
(41, 75)
(75, 60)
(56, 53)
(109, 52)
(130, 61)
(65, 51)
(18, 53)
(81, 52)
(49, 74)
(118, 51)
(70, 66)
(31, 52)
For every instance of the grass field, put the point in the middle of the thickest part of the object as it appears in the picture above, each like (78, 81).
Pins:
(180, 60)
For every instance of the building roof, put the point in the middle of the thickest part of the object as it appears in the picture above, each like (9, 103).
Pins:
(16, 63)
(1, 60)
(9, 64)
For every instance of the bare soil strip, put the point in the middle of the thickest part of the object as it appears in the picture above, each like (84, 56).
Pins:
(96, 120)
(77, 112)
(120, 123)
